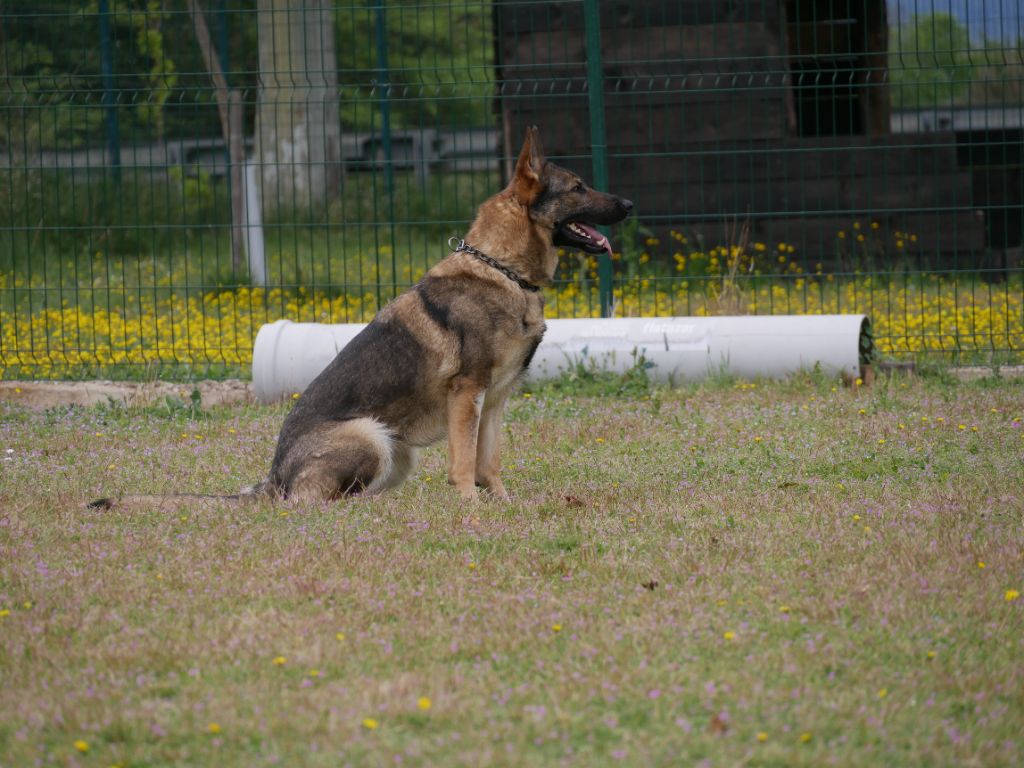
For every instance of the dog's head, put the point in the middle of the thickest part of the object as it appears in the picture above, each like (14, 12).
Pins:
(560, 201)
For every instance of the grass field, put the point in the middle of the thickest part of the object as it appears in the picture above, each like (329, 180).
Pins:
(781, 574)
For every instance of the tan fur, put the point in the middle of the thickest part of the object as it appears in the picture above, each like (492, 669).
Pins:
(442, 358)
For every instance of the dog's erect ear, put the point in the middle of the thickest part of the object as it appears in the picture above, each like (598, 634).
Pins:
(527, 180)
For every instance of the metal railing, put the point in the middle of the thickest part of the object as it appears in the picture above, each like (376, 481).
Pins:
(172, 176)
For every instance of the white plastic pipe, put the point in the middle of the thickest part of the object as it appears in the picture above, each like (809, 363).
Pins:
(287, 356)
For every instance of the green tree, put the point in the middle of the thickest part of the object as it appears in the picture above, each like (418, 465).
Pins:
(45, 93)
(441, 64)
(931, 62)
(935, 63)
(159, 77)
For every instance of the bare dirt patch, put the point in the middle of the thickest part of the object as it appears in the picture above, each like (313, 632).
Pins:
(40, 395)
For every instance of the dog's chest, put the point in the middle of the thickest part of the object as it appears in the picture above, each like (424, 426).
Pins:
(518, 350)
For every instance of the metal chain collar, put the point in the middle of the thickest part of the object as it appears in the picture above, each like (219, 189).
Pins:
(457, 244)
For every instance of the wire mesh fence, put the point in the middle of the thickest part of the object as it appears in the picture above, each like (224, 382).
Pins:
(174, 175)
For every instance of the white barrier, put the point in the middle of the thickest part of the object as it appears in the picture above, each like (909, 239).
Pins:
(287, 356)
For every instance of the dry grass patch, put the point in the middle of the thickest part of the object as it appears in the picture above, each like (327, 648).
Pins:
(777, 574)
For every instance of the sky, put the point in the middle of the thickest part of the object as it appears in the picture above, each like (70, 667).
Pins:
(994, 19)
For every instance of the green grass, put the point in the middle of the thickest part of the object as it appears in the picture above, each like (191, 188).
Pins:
(76, 237)
(584, 623)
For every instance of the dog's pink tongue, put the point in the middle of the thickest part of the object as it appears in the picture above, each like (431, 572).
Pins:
(597, 237)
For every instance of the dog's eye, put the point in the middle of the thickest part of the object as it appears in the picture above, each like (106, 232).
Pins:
(579, 187)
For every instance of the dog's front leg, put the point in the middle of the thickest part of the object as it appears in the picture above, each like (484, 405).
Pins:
(465, 398)
(488, 450)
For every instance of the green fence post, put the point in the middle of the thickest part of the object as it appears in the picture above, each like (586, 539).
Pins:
(109, 99)
(384, 83)
(599, 147)
(223, 40)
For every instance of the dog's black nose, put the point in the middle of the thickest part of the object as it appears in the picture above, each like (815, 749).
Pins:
(627, 205)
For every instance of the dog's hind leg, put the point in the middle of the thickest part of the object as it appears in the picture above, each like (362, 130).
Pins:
(341, 459)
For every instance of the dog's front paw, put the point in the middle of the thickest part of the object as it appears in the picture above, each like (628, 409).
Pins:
(497, 491)
(494, 487)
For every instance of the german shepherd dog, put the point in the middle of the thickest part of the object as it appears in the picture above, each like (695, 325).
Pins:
(442, 358)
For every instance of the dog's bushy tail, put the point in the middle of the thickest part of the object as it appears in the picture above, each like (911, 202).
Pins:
(336, 460)
(176, 500)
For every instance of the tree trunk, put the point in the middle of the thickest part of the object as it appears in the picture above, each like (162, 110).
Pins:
(229, 106)
(298, 130)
